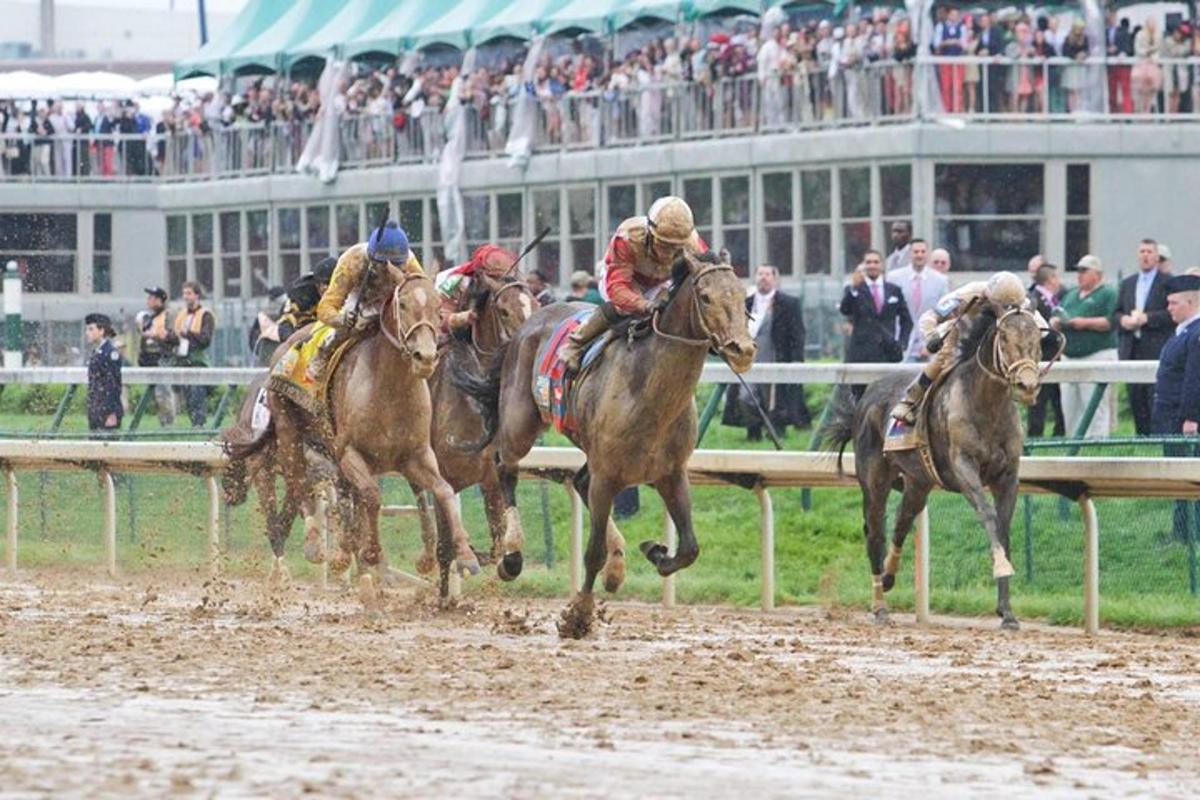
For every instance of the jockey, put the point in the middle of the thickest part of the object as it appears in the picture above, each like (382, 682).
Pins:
(639, 262)
(353, 300)
(303, 296)
(939, 327)
(454, 284)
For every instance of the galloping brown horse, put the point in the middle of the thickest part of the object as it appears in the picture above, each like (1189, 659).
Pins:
(974, 436)
(502, 306)
(635, 409)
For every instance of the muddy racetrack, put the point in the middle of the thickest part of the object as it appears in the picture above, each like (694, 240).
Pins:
(173, 686)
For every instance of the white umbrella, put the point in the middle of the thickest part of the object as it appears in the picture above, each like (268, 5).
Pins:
(96, 85)
(22, 84)
(165, 84)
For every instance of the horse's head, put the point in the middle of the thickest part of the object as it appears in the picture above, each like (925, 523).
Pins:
(410, 321)
(715, 301)
(1016, 350)
(502, 306)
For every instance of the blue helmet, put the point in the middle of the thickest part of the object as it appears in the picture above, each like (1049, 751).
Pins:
(389, 243)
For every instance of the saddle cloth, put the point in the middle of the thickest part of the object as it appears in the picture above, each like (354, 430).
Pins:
(290, 378)
(551, 387)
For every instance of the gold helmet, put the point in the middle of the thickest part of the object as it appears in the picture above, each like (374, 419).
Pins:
(670, 220)
(1005, 289)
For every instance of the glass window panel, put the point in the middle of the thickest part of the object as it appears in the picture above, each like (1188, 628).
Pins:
(545, 210)
(895, 183)
(510, 222)
(818, 249)
(815, 193)
(698, 194)
(583, 254)
(204, 275)
(102, 233)
(291, 267)
(231, 268)
(258, 234)
(435, 222)
(477, 218)
(737, 242)
(44, 272)
(289, 229)
(38, 232)
(102, 273)
(581, 210)
(779, 248)
(231, 232)
(856, 192)
(176, 275)
(652, 190)
(381, 210)
(1078, 239)
(347, 225)
(988, 189)
(856, 237)
(202, 233)
(260, 274)
(981, 245)
(622, 204)
(412, 217)
(735, 200)
(318, 229)
(777, 196)
(1078, 190)
(549, 261)
(177, 235)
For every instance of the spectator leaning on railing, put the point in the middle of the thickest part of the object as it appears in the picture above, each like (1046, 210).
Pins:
(1085, 316)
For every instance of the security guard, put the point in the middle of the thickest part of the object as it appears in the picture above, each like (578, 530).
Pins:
(104, 409)
(1177, 384)
(155, 330)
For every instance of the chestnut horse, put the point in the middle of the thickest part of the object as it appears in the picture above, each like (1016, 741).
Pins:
(635, 408)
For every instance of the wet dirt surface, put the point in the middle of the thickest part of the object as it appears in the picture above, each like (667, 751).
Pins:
(154, 686)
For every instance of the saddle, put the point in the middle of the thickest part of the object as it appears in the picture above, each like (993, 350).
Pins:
(551, 385)
(289, 377)
(899, 437)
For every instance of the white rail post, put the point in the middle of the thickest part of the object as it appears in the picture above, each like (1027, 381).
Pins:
(109, 495)
(670, 535)
(576, 557)
(10, 481)
(767, 543)
(921, 567)
(214, 526)
(1091, 565)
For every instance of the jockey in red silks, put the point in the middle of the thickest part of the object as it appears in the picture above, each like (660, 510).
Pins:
(639, 261)
(454, 284)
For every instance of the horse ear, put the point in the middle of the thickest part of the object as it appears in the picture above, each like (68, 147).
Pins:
(681, 269)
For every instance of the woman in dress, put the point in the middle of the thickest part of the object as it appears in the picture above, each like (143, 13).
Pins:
(1147, 76)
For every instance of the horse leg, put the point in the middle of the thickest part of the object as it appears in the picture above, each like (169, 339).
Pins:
(1004, 494)
(576, 621)
(345, 526)
(676, 493)
(504, 523)
(876, 483)
(425, 513)
(289, 458)
(911, 504)
(520, 425)
(422, 470)
(367, 500)
(614, 564)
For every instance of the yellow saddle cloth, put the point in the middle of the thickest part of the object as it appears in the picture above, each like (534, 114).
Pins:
(290, 375)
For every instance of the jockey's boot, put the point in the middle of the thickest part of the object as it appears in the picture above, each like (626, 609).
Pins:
(906, 409)
(316, 367)
(572, 352)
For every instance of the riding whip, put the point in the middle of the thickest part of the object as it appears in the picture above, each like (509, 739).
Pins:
(366, 276)
(529, 248)
(762, 412)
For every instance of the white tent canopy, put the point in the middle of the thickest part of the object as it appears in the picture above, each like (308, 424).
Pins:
(24, 85)
(94, 85)
(165, 84)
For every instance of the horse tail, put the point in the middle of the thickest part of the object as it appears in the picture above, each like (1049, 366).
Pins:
(838, 429)
(240, 444)
(484, 393)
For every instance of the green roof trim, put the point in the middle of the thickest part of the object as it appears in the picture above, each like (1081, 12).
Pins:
(265, 51)
(254, 18)
(354, 17)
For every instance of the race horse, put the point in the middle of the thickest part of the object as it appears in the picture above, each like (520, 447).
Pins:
(501, 306)
(379, 422)
(635, 412)
(974, 442)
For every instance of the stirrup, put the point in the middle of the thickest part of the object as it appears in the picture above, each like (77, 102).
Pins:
(906, 412)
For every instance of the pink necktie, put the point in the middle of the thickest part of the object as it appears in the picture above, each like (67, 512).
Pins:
(916, 295)
(877, 294)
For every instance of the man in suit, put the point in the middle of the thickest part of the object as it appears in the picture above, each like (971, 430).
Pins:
(876, 309)
(991, 43)
(922, 288)
(1177, 399)
(777, 325)
(1044, 297)
(1144, 326)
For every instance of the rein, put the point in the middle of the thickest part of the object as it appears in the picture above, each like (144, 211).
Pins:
(694, 313)
(1004, 371)
(502, 336)
(401, 342)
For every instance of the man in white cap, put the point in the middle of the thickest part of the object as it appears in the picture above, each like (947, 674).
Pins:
(1165, 259)
(1085, 316)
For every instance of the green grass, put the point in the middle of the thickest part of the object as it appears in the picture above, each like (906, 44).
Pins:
(820, 556)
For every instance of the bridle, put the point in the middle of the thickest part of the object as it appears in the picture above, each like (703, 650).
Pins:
(401, 342)
(1006, 371)
(502, 336)
(695, 314)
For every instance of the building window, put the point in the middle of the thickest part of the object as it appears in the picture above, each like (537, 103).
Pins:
(989, 216)
(437, 252)
(317, 220)
(622, 204)
(289, 244)
(477, 221)
(44, 245)
(258, 250)
(651, 191)
(202, 251)
(698, 193)
(816, 213)
(581, 205)
(735, 222)
(777, 220)
(1079, 204)
(348, 230)
(102, 253)
(855, 194)
(895, 184)
(412, 220)
(545, 215)
(177, 247)
(510, 221)
(231, 253)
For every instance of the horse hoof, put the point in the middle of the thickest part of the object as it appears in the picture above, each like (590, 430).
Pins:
(314, 553)
(881, 616)
(614, 574)
(510, 566)
(1010, 624)
(426, 564)
(888, 582)
(340, 563)
(576, 619)
(655, 552)
(467, 566)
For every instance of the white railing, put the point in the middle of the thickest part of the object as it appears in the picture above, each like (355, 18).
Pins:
(1087, 478)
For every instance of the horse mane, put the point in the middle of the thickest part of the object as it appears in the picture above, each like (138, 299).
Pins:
(981, 328)
(481, 290)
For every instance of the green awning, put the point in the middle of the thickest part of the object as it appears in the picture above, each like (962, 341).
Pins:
(588, 15)
(453, 28)
(700, 8)
(519, 20)
(633, 10)
(355, 17)
(254, 18)
(265, 51)
(392, 31)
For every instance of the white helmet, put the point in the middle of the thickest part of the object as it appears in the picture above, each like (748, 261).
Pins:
(671, 220)
(1005, 289)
